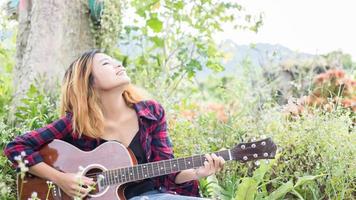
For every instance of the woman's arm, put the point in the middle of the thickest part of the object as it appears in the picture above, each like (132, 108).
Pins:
(29, 143)
(45, 171)
(186, 175)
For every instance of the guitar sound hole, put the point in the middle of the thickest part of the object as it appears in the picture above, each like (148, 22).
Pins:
(92, 173)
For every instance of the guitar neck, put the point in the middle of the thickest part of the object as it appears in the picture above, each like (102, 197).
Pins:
(154, 169)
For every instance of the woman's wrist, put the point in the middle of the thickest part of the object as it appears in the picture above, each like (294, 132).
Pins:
(196, 176)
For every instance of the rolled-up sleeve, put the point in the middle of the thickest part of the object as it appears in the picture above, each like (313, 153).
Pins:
(162, 149)
(32, 141)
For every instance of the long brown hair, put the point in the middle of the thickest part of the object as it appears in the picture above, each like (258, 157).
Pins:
(80, 98)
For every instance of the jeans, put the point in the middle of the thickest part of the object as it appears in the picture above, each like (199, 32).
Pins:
(156, 195)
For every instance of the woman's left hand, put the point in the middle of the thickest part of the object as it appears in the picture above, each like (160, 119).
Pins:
(212, 165)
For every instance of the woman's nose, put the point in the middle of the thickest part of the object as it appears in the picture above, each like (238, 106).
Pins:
(117, 63)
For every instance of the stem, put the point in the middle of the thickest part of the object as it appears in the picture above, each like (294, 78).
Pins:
(21, 187)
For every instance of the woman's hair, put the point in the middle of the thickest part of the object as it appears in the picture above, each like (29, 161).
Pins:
(80, 98)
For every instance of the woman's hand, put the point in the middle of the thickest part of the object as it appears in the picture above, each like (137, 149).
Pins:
(211, 166)
(74, 185)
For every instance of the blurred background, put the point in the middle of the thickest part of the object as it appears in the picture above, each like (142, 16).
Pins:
(225, 72)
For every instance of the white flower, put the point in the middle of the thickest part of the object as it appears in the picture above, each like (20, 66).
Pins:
(17, 157)
(23, 153)
(34, 195)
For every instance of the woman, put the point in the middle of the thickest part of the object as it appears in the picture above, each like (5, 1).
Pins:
(99, 104)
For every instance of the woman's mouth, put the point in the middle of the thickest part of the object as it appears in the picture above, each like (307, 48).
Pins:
(120, 72)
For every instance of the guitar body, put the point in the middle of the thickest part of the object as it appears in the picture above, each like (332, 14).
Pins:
(66, 158)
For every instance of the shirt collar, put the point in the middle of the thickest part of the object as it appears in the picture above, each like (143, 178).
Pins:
(143, 110)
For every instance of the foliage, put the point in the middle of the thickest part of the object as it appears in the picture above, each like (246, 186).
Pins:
(158, 51)
(106, 22)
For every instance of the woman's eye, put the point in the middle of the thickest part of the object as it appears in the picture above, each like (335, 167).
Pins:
(105, 63)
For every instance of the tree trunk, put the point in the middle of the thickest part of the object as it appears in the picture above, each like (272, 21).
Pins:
(51, 34)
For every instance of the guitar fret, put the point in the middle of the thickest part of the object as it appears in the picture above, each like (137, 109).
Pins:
(121, 177)
(174, 166)
(186, 162)
(105, 178)
(127, 174)
(161, 167)
(118, 176)
(155, 169)
(145, 170)
(109, 180)
(170, 164)
(141, 172)
(124, 175)
(115, 176)
(151, 174)
(135, 172)
(167, 166)
(131, 174)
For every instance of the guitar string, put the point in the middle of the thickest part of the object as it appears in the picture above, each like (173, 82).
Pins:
(156, 167)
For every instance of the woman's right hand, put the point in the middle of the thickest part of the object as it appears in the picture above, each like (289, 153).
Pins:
(70, 183)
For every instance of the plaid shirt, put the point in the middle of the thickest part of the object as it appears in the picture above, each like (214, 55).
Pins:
(153, 137)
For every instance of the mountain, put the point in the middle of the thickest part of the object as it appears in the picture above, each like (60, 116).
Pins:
(258, 55)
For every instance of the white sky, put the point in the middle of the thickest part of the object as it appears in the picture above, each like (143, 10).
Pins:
(311, 26)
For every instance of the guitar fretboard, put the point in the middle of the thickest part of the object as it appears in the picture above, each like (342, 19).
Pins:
(154, 169)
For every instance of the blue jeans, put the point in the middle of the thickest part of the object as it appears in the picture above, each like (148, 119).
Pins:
(156, 195)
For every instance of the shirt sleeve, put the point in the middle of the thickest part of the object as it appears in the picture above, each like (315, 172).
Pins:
(162, 149)
(32, 141)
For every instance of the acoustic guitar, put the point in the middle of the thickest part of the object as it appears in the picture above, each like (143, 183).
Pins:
(112, 166)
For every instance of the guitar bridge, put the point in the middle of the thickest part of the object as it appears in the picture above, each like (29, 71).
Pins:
(56, 192)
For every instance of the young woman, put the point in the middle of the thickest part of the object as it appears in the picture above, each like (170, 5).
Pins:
(99, 104)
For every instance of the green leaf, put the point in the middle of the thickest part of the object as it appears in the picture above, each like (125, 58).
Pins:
(304, 179)
(261, 171)
(246, 189)
(179, 5)
(281, 191)
(158, 41)
(215, 66)
(155, 24)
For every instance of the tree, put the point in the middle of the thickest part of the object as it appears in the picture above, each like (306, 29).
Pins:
(50, 35)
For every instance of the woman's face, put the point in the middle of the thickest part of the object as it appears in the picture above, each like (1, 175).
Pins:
(108, 72)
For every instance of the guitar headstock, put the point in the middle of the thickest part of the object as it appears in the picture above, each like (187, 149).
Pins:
(262, 149)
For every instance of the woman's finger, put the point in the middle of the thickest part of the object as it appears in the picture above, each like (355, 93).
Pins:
(210, 160)
(216, 161)
(81, 191)
(88, 181)
(221, 163)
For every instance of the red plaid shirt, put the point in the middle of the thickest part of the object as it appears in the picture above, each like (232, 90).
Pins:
(153, 137)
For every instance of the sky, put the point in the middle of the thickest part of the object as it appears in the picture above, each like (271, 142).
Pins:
(310, 26)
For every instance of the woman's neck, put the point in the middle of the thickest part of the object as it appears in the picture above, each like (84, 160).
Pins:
(113, 104)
